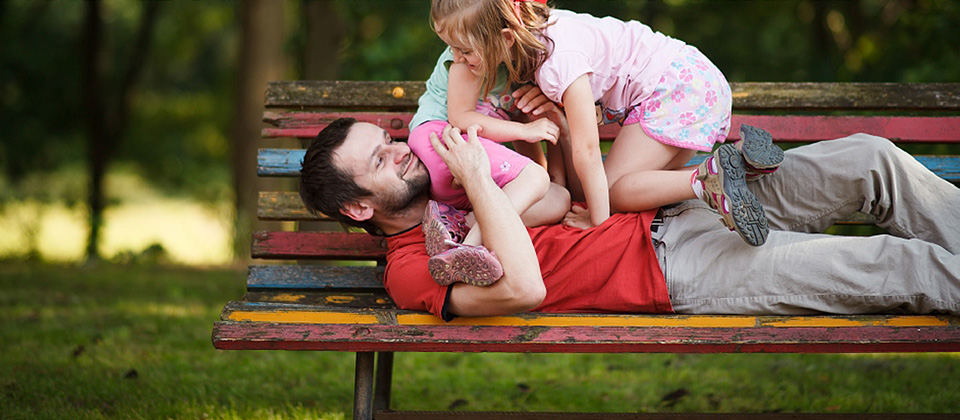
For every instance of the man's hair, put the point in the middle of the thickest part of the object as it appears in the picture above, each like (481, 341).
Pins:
(324, 187)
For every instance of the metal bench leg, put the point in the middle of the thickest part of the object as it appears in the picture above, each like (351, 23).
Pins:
(381, 396)
(363, 387)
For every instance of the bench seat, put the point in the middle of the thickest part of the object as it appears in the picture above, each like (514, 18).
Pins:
(322, 290)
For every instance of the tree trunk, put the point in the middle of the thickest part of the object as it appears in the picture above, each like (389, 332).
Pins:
(325, 33)
(96, 124)
(260, 60)
(107, 114)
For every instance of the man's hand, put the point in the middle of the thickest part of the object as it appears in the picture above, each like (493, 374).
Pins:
(531, 100)
(466, 158)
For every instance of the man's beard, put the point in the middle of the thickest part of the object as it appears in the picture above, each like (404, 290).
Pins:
(415, 190)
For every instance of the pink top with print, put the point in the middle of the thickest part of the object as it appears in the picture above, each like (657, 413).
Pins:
(624, 59)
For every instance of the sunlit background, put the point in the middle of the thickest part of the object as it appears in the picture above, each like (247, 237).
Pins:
(172, 111)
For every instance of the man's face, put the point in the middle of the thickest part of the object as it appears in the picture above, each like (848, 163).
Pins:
(387, 168)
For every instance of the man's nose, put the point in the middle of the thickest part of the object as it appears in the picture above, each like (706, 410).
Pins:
(400, 153)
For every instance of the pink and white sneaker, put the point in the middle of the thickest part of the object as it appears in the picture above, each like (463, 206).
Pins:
(444, 227)
(469, 264)
(761, 157)
(723, 184)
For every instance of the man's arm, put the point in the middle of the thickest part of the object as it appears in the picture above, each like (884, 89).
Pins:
(521, 287)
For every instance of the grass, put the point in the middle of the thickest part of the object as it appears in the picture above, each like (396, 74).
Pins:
(133, 342)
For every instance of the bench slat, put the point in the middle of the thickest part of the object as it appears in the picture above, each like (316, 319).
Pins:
(353, 336)
(796, 128)
(331, 301)
(286, 163)
(317, 245)
(753, 96)
(314, 277)
(287, 313)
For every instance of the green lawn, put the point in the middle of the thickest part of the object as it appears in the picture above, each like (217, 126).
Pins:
(134, 342)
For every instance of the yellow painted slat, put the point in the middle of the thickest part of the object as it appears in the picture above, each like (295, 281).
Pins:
(286, 297)
(703, 321)
(302, 317)
(589, 321)
(900, 321)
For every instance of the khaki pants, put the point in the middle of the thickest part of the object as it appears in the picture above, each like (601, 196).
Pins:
(710, 270)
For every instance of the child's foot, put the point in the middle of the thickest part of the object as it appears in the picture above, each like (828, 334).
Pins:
(443, 227)
(724, 188)
(465, 263)
(760, 155)
(578, 217)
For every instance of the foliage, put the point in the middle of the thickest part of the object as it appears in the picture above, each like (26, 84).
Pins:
(133, 342)
(178, 136)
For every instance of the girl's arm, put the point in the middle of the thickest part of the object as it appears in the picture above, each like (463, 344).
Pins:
(585, 144)
(462, 91)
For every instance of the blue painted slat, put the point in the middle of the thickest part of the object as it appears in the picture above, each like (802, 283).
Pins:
(286, 162)
(314, 277)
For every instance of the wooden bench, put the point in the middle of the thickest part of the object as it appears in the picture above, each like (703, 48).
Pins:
(345, 308)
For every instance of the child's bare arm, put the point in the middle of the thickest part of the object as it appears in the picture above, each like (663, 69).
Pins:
(585, 145)
(462, 90)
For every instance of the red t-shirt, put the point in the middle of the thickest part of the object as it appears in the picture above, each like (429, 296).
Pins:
(608, 268)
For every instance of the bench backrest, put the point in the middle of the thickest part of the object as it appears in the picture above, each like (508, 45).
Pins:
(792, 112)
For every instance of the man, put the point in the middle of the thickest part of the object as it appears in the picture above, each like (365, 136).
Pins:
(685, 262)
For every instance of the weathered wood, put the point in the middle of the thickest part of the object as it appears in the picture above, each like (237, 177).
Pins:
(325, 245)
(314, 277)
(580, 339)
(344, 94)
(323, 300)
(286, 163)
(794, 128)
(284, 205)
(746, 96)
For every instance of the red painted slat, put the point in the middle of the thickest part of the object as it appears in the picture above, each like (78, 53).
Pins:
(322, 245)
(783, 128)
(814, 128)
(467, 338)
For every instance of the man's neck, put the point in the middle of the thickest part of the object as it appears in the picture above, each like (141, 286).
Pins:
(403, 221)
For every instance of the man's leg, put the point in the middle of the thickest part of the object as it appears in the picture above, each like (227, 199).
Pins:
(821, 183)
(711, 271)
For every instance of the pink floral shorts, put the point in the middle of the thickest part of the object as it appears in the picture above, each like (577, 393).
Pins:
(690, 108)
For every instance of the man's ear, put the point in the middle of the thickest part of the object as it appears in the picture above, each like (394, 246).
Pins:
(359, 211)
(508, 37)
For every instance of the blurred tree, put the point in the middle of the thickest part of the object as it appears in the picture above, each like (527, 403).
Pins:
(261, 59)
(324, 27)
(182, 125)
(107, 105)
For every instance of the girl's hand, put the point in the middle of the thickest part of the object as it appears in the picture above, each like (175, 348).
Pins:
(541, 129)
(578, 217)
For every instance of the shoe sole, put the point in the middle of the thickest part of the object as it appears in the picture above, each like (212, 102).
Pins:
(758, 148)
(468, 265)
(746, 215)
(435, 235)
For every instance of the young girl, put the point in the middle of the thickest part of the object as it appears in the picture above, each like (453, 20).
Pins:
(670, 100)
(456, 254)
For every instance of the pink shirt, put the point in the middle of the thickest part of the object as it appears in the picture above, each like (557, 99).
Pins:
(624, 59)
(505, 164)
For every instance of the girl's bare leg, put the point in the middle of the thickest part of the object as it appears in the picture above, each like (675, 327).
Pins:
(645, 174)
(531, 186)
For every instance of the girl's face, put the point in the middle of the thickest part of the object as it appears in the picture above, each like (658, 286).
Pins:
(463, 54)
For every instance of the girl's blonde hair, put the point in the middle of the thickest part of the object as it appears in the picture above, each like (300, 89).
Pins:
(478, 25)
